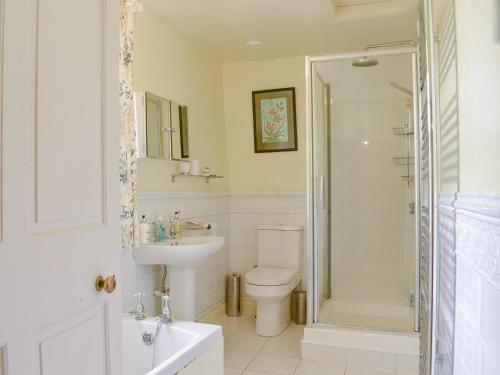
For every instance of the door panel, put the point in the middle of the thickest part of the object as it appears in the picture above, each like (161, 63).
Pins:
(81, 341)
(69, 59)
(60, 191)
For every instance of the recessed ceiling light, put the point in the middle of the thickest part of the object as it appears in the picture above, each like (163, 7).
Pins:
(254, 44)
(366, 143)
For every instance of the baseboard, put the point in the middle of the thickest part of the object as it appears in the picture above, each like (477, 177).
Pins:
(248, 307)
(212, 314)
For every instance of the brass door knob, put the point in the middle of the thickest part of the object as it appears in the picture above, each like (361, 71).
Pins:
(107, 284)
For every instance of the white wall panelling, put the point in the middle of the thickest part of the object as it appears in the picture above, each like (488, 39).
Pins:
(250, 209)
(476, 219)
(446, 281)
(210, 207)
(236, 215)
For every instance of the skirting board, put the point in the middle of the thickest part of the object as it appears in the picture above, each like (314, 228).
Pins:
(247, 308)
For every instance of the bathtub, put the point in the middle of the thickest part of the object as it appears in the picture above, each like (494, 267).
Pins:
(182, 347)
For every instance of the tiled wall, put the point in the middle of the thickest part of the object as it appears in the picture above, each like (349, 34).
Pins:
(211, 207)
(236, 215)
(248, 210)
(446, 282)
(477, 307)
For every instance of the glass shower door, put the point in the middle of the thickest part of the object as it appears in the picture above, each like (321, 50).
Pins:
(364, 193)
(321, 141)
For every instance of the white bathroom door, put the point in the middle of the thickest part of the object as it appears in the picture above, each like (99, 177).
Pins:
(59, 224)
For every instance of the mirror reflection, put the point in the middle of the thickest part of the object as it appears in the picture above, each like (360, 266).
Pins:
(162, 127)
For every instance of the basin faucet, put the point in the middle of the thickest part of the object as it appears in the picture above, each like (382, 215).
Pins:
(138, 313)
(166, 314)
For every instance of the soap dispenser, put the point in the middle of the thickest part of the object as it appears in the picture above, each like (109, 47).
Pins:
(177, 224)
(162, 230)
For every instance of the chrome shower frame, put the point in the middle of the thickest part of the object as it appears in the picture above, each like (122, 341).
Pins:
(312, 236)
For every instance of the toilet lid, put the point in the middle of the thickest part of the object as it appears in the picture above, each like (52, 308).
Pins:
(270, 276)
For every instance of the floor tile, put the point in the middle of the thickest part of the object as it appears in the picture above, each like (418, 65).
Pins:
(288, 348)
(232, 326)
(292, 333)
(315, 368)
(274, 364)
(238, 358)
(246, 341)
(251, 372)
(232, 371)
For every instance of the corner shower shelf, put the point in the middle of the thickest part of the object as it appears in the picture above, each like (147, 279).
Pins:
(207, 178)
(402, 131)
(402, 160)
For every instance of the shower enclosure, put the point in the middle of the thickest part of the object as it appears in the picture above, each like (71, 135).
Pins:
(363, 196)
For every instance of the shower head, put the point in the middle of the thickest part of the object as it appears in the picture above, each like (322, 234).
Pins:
(364, 62)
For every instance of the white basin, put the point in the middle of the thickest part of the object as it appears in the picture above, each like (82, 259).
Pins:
(185, 252)
(181, 257)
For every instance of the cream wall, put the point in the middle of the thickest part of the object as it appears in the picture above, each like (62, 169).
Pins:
(265, 171)
(169, 65)
(478, 45)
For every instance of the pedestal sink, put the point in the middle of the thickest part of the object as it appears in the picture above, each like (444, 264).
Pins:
(181, 257)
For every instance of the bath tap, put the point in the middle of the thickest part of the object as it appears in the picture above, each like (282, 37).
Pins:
(166, 313)
(138, 313)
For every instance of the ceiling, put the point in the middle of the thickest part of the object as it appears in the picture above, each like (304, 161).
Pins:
(286, 27)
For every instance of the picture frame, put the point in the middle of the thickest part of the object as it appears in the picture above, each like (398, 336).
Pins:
(274, 120)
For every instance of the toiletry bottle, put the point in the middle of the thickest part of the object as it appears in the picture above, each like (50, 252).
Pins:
(177, 224)
(157, 230)
(163, 230)
(146, 231)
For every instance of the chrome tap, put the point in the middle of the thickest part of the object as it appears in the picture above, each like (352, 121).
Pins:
(166, 313)
(138, 313)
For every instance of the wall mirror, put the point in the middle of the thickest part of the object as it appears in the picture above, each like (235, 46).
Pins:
(161, 127)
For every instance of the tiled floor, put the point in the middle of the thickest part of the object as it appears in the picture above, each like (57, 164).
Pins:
(246, 353)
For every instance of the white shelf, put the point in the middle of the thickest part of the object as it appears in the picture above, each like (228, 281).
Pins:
(207, 178)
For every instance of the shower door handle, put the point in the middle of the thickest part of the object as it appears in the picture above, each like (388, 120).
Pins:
(321, 192)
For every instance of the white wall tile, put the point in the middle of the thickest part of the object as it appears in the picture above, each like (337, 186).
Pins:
(476, 238)
(236, 216)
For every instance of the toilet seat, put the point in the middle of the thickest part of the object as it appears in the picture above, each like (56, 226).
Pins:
(266, 276)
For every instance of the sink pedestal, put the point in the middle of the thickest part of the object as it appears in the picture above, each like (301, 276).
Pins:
(181, 256)
(182, 284)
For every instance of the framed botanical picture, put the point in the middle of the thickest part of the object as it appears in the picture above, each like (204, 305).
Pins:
(274, 120)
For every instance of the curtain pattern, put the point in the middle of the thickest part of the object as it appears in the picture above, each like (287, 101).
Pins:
(128, 155)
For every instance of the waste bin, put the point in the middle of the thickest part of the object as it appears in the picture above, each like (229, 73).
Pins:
(233, 295)
(299, 306)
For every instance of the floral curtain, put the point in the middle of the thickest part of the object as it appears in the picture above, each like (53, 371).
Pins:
(128, 155)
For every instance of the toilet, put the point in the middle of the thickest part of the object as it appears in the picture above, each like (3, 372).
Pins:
(278, 273)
